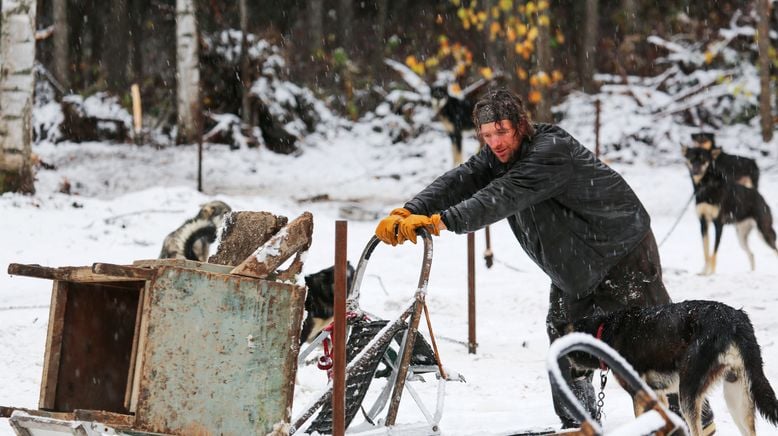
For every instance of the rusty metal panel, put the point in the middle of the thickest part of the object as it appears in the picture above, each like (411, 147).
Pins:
(219, 353)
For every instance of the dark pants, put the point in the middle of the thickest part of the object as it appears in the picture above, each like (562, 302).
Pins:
(635, 281)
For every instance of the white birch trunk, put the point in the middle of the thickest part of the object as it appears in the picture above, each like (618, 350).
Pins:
(17, 56)
(188, 72)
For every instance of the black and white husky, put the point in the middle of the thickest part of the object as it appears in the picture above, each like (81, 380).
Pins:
(193, 239)
(686, 348)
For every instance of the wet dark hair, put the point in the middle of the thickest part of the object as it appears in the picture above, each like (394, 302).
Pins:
(502, 104)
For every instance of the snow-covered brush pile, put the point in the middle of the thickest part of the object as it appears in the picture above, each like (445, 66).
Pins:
(406, 111)
(98, 117)
(707, 85)
(278, 106)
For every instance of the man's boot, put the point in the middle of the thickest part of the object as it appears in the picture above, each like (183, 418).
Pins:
(708, 426)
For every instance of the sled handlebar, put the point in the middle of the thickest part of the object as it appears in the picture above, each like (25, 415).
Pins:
(352, 302)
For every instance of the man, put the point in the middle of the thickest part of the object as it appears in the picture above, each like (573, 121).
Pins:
(573, 215)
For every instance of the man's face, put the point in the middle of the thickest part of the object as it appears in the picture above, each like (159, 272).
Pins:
(501, 137)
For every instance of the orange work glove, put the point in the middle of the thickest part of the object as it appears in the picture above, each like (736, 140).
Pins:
(409, 225)
(387, 227)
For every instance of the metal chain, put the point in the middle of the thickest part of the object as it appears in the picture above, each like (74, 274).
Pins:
(601, 395)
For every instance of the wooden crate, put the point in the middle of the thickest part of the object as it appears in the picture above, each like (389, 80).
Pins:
(170, 346)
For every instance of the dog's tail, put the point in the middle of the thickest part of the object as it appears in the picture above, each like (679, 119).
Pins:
(764, 219)
(763, 394)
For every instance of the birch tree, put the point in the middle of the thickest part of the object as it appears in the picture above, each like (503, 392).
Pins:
(17, 55)
(188, 73)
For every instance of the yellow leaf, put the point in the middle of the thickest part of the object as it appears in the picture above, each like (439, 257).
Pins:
(494, 30)
(531, 8)
(462, 14)
(486, 73)
(431, 62)
(519, 48)
(709, 57)
(506, 5)
(543, 20)
(454, 88)
(456, 3)
(481, 16)
(521, 73)
(418, 69)
(510, 34)
(533, 81)
(556, 76)
(521, 29)
(544, 78)
(532, 34)
(535, 97)
(560, 37)
(542, 5)
(410, 61)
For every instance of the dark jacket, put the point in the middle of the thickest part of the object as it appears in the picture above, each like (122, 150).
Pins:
(573, 215)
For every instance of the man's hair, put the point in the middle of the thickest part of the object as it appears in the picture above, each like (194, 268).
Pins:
(501, 104)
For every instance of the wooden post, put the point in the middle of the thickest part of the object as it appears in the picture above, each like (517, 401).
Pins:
(339, 332)
(137, 114)
(597, 128)
(471, 342)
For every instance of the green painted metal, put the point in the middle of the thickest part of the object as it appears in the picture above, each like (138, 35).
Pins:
(219, 355)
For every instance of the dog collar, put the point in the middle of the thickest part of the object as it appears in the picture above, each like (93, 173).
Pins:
(601, 329)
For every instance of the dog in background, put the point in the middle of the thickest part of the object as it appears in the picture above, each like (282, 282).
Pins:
(721, 202)
(320, 299)
(193, 239)
(732, 168)
(456, 111)
(686, 348)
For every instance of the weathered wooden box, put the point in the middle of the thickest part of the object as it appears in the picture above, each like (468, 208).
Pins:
(169, 346)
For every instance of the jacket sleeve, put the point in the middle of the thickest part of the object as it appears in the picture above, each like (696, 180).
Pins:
(452, 187)
(542, 173)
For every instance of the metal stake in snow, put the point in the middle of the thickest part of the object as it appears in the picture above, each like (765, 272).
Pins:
(339, 332)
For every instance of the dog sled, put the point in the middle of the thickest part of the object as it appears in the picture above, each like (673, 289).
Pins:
(392, 352)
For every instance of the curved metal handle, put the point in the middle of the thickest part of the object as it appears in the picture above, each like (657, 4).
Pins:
(629, 378)
(352, 302)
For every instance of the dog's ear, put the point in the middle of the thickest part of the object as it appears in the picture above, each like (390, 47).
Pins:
(715, 153)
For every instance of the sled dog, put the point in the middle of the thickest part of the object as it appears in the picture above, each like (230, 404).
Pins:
(732, 168)
(686, 348)
(320, 299)
(720, 203)
(192, 240)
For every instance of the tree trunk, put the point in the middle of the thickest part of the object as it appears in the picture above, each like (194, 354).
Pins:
(629, 12)
(116, 54)
(61, 61)
(17, 56)
(138, 12)
(763, 42)
(589, 46)
(544, 65)
(245, 79)
(188, 69)
(379, 27)
(315, 26)
(346, 24)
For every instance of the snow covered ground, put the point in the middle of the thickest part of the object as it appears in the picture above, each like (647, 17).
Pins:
(126, 199)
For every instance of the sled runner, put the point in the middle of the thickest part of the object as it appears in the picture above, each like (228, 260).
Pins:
(391, 351)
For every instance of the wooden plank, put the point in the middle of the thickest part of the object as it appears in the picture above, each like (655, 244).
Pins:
(6, 412)
(220, 353)
(134, 352)
(293, 238)
(184, 263)
(64, 273)
(103, 417)
(130, 272)
(142, 334)
(51, 359)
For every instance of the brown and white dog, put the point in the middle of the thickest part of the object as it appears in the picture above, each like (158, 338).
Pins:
(686, 348)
